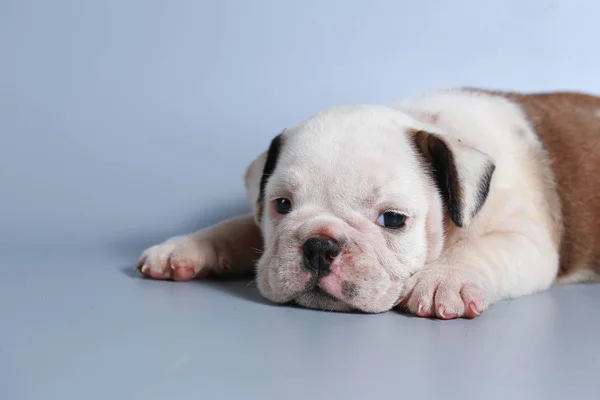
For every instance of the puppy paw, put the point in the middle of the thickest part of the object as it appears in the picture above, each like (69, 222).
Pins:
(180, 258)
(445, 293)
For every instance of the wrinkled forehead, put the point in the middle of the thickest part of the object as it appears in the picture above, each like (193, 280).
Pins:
(347, 150)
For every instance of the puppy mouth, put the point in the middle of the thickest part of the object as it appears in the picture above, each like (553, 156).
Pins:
(314, 287)
(319, 291)
(316, 297)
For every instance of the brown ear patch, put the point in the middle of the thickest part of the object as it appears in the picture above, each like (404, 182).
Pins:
(443, 170)
(270, 164)
(483, 187)
(465, 195)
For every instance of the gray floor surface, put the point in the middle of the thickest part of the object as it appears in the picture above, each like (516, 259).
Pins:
(83, 326)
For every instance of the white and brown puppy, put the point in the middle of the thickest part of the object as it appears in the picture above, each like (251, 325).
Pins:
(441, 205)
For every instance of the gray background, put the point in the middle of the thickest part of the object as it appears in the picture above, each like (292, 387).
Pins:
(125, 122)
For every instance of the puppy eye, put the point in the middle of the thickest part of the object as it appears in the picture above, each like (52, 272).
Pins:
(283, 205)
(391, 220)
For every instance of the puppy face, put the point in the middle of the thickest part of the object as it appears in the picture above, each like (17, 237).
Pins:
(350, 205)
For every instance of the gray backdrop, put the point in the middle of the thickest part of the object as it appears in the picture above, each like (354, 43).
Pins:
(125, 121)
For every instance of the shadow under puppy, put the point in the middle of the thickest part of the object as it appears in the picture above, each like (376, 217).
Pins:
(442, 205)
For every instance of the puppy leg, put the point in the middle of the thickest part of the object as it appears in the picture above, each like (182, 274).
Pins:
(474, 273)
(230, 247)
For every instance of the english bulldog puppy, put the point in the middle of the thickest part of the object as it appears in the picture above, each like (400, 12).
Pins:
(440, 205)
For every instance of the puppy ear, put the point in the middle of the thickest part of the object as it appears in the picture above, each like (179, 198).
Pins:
(258, 173)
(462, 174)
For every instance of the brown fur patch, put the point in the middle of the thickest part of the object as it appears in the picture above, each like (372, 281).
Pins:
(270, 164)
(441, 165)
(568, 125)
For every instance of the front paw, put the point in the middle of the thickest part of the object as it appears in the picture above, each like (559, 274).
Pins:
(180, 258)
(445, 292)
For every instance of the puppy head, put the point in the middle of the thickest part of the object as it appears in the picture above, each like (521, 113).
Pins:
(351, 203)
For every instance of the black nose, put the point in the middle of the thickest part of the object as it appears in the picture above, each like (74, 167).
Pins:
(318, 254)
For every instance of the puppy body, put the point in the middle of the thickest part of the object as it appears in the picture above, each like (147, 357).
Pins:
(498, 191)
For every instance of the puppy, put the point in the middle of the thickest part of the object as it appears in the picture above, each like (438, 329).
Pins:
(441, 205)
